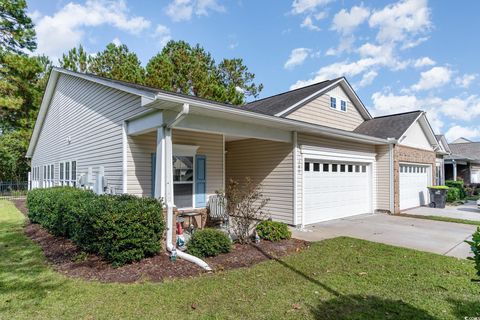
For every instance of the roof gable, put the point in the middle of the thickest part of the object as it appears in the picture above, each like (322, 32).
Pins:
(283, 104)
(391, 126)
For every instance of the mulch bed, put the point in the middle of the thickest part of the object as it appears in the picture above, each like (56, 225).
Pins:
(65, 257)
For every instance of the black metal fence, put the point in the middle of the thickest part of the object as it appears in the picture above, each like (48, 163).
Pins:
(10, 190)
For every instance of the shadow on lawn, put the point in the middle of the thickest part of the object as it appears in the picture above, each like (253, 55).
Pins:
(355, 306)
(23, 280)
(368, 307)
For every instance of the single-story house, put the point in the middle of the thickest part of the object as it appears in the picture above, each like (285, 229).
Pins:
(316, 150)
(464, 161)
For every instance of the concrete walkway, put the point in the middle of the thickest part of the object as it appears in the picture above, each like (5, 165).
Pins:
(426, 235)
(468, 211)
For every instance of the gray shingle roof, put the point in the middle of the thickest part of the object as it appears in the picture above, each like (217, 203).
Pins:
(391, 126)
(280, 102)
(469, 151)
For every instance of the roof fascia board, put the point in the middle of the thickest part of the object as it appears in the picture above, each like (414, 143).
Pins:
(345, 85)
(42, 112)
(268, 120)
(426, 127)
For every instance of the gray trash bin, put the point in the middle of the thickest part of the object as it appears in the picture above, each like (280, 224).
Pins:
(438, 197)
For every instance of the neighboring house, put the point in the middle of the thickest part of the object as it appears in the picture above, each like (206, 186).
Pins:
(317, 151)
(464, 161)
(442, 152)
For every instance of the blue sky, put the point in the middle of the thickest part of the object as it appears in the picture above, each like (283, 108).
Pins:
(399, 55)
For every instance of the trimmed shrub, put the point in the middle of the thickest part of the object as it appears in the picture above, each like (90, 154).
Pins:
(458, 185)
(121, 228)
(273, 231)
(453, 194)
(475, 247)
(209, 243)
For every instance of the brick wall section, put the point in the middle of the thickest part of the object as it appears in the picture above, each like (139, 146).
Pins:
(410, 155)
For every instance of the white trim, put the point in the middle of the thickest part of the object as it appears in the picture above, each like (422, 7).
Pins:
(430, 134)
(124, 158)
(327, 155)
(295, 177)
(223, 164)
(185, 150)
(391, 150)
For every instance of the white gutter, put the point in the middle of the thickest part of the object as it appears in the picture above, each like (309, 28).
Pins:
(295, 177)
(169, 190)
(293, 125)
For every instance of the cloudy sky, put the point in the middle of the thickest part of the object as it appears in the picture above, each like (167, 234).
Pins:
(398, 55)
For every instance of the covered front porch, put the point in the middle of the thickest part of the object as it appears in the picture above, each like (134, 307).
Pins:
(187, 163)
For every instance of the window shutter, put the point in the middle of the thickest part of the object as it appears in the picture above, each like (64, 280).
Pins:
(200, 181)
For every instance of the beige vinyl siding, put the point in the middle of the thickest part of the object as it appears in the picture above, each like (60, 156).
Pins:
(269, 163)
(311, 142)
(139, 162)
(383, 177)
(318, 111)
(91, 116)
(140, 151)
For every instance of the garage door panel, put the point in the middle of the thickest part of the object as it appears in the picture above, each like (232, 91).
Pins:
(414, 180)
(334, 190)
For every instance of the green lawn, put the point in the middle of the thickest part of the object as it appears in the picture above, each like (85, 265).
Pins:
(438, 218)
(335, 279)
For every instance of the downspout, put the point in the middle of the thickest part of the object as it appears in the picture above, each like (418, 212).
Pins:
(295, 178)
(169, 190)
(391, 144)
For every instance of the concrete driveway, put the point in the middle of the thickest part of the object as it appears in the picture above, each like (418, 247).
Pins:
(467, 211)
(444, 238)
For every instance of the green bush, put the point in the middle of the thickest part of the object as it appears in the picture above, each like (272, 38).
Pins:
(453, 194)
(273, 231)
(458, 185)
(208, 243)
(121, 228)
(475, 247)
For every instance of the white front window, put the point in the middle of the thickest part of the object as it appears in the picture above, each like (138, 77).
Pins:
(68, 173)
(183, 180)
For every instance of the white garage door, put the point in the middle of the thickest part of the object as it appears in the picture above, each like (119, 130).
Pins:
(414, 180)
(335, 190)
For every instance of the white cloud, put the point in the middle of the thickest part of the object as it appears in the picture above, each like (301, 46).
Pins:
(465, 80)
(402, 20)
(425, 61)
(345, 22)
(457, 131)
(433, 78)
(345, 44)
(302, 6)
(66, 28)
(183, 10)
(116, 41)
(308, 23)
(162, 33)
(297, 57)
(368, 78)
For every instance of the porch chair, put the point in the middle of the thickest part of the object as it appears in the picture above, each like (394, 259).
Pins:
(217, 210)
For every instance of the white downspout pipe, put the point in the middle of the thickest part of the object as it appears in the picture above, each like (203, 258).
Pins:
(169, 191)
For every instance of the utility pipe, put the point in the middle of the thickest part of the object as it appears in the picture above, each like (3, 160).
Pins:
(169, 190)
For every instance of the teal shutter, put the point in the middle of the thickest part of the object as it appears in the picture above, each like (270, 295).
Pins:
(154, 167)
(200, 181)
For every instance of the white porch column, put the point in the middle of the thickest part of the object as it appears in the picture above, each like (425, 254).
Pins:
(160, 165)
(168, 168)
(454, 164)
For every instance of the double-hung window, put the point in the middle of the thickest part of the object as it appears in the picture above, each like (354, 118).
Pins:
(343, 105)
(183, 181)
(333, 102)
(68, 173)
